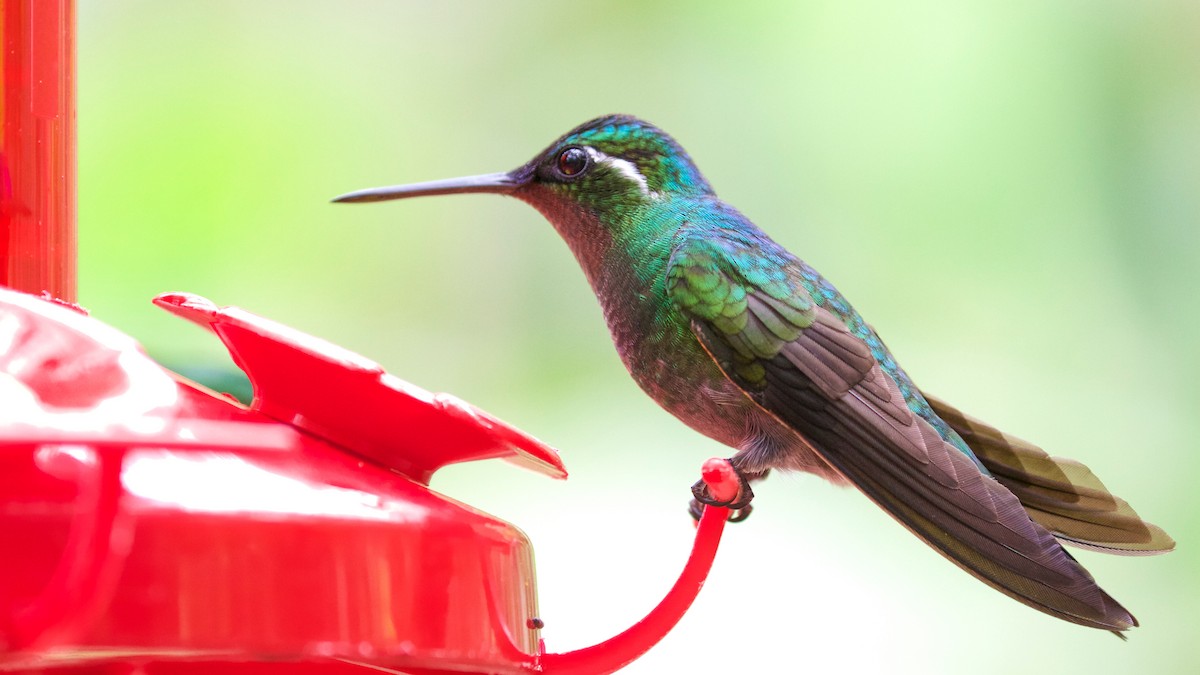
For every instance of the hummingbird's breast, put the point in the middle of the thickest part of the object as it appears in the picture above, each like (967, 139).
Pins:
(655, 340)
(663, 355)
(625, 261)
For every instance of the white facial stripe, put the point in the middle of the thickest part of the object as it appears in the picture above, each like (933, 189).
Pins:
(623, 166)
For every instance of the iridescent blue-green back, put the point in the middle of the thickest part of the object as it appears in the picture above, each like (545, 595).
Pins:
(827, 296)
(765, 263)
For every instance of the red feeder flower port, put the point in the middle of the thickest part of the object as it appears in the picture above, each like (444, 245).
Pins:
(148, 523)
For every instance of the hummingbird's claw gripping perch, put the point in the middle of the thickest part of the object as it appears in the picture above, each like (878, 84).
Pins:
(738, 502)
(696, 511)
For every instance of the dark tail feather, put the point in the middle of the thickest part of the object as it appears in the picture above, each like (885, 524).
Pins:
(1062, 495)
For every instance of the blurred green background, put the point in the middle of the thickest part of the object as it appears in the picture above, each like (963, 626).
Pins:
(1009, 191)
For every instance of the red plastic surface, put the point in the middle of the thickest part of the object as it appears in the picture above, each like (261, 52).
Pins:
(349, 400)
(621, 650)
(37, 147)
(143, 517)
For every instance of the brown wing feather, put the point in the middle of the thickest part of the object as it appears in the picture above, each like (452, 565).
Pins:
(853, 414)
(1062, 495)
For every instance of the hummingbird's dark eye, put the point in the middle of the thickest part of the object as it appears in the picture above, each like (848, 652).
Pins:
(572, 161)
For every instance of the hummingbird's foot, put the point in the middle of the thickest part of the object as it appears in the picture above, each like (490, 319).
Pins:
(696, 510)
(741, 514)
(739, 504)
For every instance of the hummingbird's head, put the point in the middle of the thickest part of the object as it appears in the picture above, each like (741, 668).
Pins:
(592, 183)
(616, 161)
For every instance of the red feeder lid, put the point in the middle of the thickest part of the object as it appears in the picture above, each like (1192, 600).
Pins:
(145, 518)
(350, 401)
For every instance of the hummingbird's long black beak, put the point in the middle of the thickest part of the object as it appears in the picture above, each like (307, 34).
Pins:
(502, 183)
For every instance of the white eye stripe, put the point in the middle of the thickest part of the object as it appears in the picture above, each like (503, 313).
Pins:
(623, 166)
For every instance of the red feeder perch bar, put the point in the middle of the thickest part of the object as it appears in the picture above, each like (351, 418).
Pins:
(149, 524)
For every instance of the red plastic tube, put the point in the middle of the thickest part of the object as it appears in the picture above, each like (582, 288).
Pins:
(621, 650)
(37, 147)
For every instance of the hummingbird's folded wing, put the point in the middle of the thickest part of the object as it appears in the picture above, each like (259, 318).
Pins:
(801, 364)
(1063, 495)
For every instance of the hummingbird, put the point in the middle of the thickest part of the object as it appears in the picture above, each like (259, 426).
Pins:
(750, 346)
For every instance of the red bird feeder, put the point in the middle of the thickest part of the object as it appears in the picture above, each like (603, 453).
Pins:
(148, 523)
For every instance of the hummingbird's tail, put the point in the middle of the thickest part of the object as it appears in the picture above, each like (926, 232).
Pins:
(1060, 494)
(900, 462)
